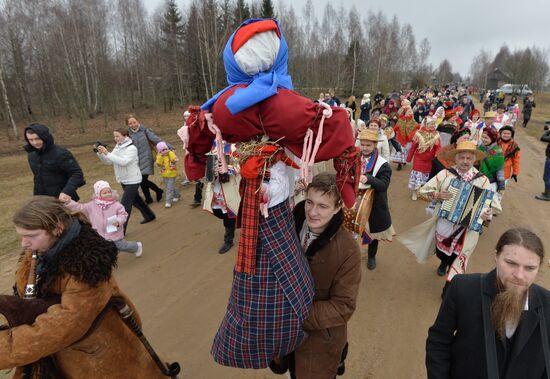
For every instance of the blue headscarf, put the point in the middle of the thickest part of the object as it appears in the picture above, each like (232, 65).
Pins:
(260, 86)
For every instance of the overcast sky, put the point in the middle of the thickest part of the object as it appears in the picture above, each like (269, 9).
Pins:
(457, 29)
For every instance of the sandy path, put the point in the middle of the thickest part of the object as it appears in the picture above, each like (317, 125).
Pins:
(181, 284)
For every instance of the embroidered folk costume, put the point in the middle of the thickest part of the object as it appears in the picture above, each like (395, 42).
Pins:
(377, 172)
(492, 165)
(404, 130)
(221, 195)
(476, 126)
(454, 244)
(425, 146)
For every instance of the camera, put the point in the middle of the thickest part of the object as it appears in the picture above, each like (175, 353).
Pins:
(97, 144)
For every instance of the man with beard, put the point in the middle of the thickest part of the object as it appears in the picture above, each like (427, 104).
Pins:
(494, 325)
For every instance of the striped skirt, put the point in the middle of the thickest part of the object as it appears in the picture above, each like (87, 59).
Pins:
(266, 311)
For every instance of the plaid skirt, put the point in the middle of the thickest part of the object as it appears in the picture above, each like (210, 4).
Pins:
(266, 311)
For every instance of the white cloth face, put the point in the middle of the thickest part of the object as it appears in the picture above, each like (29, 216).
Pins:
(259, 53)
(279, 186)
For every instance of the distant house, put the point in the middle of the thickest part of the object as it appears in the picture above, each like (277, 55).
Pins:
(497, 78)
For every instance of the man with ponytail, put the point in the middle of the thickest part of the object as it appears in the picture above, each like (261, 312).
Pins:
(80, 335)
(495, 325)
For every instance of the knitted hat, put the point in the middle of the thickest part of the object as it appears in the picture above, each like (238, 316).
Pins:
(490, 114)
(161, 146)
(368, 135)
(509, 128)
(99, 186)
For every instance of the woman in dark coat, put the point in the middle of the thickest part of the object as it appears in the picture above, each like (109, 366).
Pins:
(528, 106)
(366, 106)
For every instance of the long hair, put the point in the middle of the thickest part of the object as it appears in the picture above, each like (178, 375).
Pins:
(45, 213)
(521, 237)
(507, 306)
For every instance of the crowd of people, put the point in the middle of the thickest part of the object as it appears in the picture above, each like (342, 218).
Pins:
(298, 261)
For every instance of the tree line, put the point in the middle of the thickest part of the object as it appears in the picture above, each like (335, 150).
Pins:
(522, 66)
(84, 58)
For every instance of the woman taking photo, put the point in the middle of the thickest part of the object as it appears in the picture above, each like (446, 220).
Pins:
(124, 159)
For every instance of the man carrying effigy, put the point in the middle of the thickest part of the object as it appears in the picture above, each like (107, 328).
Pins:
(69, 318)
(272, 290)
(452, 242)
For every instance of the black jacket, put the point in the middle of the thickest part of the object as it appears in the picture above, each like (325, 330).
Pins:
(54, 168)
(365, 111)
(528, 108)
(546, 138)
(456, 342)
(380, 218)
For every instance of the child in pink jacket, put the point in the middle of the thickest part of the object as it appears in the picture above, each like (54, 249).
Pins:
(107, 217)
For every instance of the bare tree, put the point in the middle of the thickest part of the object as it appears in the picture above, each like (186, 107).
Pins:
(6, 100)
(444, 72)
(480, 68)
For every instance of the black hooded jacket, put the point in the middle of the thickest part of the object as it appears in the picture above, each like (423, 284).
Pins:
(546, 138)
(54, 168)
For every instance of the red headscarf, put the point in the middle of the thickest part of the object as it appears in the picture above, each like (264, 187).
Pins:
(491, 133)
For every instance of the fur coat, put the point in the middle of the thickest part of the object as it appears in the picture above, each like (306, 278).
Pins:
(66, 333)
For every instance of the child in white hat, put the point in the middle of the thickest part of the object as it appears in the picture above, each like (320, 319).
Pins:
(107, 217)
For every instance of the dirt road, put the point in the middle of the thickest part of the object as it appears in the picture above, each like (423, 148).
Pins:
(181, 284)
